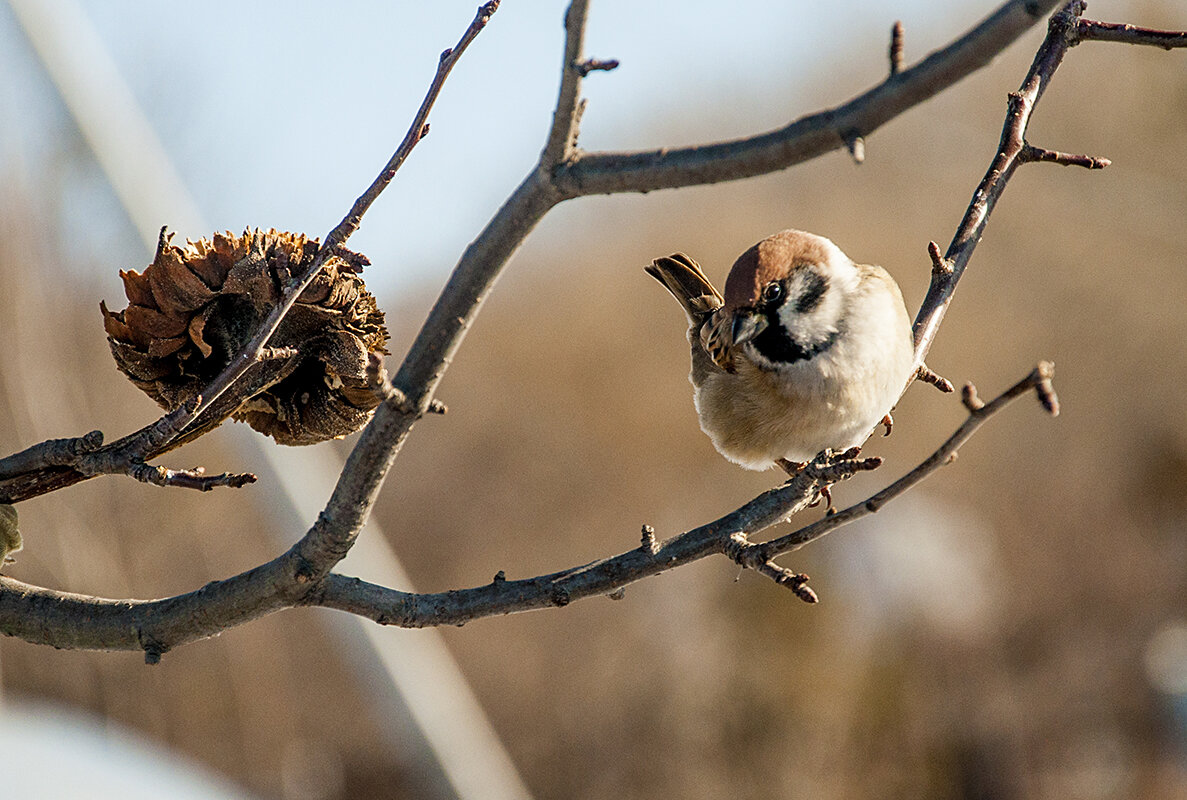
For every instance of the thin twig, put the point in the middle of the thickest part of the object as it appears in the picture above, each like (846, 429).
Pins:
(1039, 381)
(1032, 153)
(1013, 149)
(189, 478)
(562, 135)
(1092, 30)
(925, 374)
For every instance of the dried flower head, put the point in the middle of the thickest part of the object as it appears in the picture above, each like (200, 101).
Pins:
(195, 306)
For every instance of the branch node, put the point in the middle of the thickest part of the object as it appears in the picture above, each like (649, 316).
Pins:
(560, 596)
(1044, 372)
(304, 573)
(437, 407)
(648, 543)
(896, 48)
(857, 147)
(925, 374)
(939, 264)
(968, 396)
(754, 556)
(500, 577)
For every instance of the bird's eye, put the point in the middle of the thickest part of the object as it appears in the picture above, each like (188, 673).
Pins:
(772, 291)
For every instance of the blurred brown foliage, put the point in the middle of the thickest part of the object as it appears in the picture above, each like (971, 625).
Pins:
(985, 638)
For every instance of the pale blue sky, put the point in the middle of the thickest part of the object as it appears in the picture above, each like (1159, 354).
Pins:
(279, 114)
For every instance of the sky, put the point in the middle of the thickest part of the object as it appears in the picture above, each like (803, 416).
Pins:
(280, 114)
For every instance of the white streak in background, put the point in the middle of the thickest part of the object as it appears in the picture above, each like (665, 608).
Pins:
(416, 662)
(109, 118)
(920, 558)
(1166, 658)
(416, 685)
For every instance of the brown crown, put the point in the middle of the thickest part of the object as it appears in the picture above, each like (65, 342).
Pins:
(771, 259)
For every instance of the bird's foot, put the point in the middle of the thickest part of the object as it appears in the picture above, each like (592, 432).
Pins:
(792, 468)
(824, 495)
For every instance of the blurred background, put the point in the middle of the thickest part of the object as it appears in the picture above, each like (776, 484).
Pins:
(1017, 627)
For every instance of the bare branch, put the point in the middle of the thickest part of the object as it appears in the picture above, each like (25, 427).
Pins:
(562, 137)
(1088, 30)
(1012, 149)
(1064, 31)
(807, 137)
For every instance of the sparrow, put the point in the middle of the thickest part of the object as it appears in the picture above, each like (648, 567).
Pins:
(806, 351)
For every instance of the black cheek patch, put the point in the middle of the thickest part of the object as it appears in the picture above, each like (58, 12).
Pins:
(779, 348)
(815, 285)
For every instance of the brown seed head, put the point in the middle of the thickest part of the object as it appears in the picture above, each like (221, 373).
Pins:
(195, 306)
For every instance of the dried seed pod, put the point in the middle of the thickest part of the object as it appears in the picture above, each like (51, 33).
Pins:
(195, 306)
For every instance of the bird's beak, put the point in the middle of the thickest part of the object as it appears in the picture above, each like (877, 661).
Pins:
(747, 325)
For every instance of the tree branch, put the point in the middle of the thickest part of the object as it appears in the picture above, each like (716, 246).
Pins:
(302, 575)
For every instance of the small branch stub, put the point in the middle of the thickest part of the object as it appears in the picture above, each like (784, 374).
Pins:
(925, 374)
(896, 48)
(1031, 153)
(968, 396)
(939, 264)
(1044, 372)
(589, 65)
(648, 543)
(857, 147)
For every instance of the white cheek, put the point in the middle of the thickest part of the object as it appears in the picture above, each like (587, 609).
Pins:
(816, 325)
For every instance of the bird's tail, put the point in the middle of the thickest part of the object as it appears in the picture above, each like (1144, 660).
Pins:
(683, 277)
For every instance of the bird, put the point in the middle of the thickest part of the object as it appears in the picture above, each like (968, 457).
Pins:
(805, 352)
